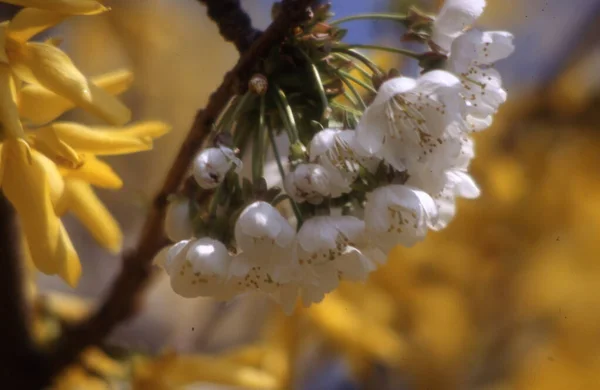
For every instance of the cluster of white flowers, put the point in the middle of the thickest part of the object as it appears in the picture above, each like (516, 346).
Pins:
(418, 130)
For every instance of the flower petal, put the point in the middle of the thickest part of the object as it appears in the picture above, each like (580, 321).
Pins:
(147, 129)
(55, 180)
(95, 172)
(70, 266)
(9, 114)
(30, 21)
(377, 120)
(74, 7)
(40, 105)
(46, 65)
(81, 200)
(454, 17)
(55, 149)
(3, 28)
(86, 140)
(26, 186)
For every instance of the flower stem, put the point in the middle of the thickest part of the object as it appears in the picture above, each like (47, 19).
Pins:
(404, 52)
(319, 85)
(287, 115)
(346, 108)
(233, 112)
(362, 70)
(362, 58)
(351, 99)
(258, 153)
(277, 155)
(358, 81)
(396, 17)
(353, 90)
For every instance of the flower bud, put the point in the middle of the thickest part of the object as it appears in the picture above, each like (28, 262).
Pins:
(309, 182)
(178, 225)
(212, 164)
(258, 84)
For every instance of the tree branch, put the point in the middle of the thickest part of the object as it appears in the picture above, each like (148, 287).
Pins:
(234, 23)
(121, 302)
(20, 361)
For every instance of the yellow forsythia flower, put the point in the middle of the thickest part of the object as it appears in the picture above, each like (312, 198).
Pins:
(48, 171)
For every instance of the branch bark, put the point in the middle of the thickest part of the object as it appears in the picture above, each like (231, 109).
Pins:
(122, 300)
(234, 23)
(20, 360)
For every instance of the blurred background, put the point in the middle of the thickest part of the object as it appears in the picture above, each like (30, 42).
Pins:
(508, 297)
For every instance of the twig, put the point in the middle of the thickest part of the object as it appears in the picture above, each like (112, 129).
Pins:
(20, 361)
(121, 302)
(234, 23)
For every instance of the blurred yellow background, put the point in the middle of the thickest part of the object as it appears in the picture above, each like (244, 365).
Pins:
(508, 297)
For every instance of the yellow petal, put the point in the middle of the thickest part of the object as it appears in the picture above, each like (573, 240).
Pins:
(30, 22)
(148, 129)
(70, 266)
(74, 7)
(50, 67)
(174, 372)
(55, 149)
(68, 307)
(26, 186)
(55, 180)
(54, 41)
(30, 272)
(40, 105)
(95, 172)
(3, 57)
(9, 115)
(86, 140)
(342, 322)
(76, 377)
(85, 205)
(101, 363)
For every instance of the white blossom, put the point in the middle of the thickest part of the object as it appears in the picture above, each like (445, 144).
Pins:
(454, 18)
(410, 120)
(472, 57)
(327, 252)
(200, 268)
(265, 241)
(398, 214)
(431, 174)
(459, 184)
(212, 164)
(178, 224)
(340, 154)
(308, 182)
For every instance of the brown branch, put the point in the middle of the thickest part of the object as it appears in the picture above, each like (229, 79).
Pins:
(122, 300)
(20, 361)
(234, 23)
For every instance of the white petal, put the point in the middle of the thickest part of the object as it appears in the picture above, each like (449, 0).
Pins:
(240, 266)
(354, 266)
(173, 252)
(178, 225)
(317, 234)
(464, 185)
(454, 17)
(209, 257)
(161, 257)
(398, 214)
(287, 296)
(259, 219)
(212, 164)
(446, 210)
(375, 123)
(322, 142)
